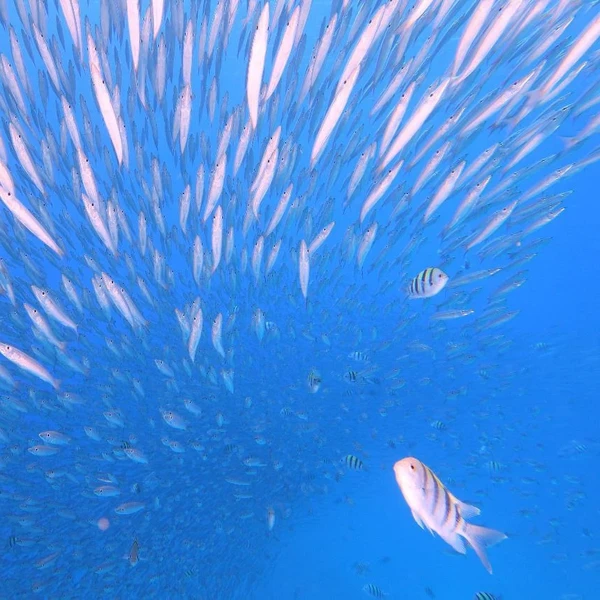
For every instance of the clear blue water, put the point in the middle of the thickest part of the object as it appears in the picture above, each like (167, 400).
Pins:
(244, 492)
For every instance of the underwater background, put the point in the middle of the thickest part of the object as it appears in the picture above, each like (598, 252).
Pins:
(217, 331)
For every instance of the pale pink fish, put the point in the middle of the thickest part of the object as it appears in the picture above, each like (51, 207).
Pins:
(549, 180)
(215, 28)
(304, 12)
(444, 190)
(136, 455)
(216, 186)
(94, 214)
(43, 450)
(418, 10)
(506, 13)
(365, 244)
(497, 103)
(216, 334)
(67, 7)
(160, 73)
(379, 191)
(438, 134)
(474, 26)
(242, 147)
(227, 375)
(334, 112)
(547, 218)
(304, 268)
(477, 165)
(258, 320)
(195, 333)
(114, 418)
(187, 56)
(265, 182)
(55, 438)
(217, 237)
(13, 85)
(396, 118)
(133, 23)
(176, 446)
(497, 220)
(117, 298)
(548, 41)
(129, 508)
(283, 52)
(280, 209)
(184, 207)
(375, 27)
(173, 420)
(320, 54)
(185, 116)
(225, 134)
(92, 433)
(587, 38)
(107, 110)
(52, 309)
(46, 57)
(43, 326)
(425, 108)
(157, 15)
(431, 166)
(164, 368)
(257, 256)
(273, 254)
(272, 145)
(197, 259)
(392, 87)
(256, 64)
(24, 157)
(192, 407)
(27, 363)
(320, 238)
(107, 491)
(6, 180)
(24, 216)
(359, 170)
(468, 202)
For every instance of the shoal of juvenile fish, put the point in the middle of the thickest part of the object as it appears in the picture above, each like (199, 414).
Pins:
(221, 228)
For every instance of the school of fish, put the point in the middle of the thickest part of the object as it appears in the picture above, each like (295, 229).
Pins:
(223, 225)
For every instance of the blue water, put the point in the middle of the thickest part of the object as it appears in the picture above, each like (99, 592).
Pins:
(245, 492)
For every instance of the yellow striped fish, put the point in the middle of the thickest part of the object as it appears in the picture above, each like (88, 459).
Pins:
(427, 283)
(434, 507)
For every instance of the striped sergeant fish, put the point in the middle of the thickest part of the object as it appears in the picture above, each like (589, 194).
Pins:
(374, 590)
(427, 283)
(434, 507)
(485, 596)
(353, 462)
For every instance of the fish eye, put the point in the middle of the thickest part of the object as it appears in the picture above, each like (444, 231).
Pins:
(412, 467)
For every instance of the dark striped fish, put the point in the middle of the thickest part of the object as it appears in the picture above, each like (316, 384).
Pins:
(434, 507)
(374, 590)
(427, 283)
(485, 596)
(353, 462)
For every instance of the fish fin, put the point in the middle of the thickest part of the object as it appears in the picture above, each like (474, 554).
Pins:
(455, 541)
(417, 519)
(467, 510)
(480, 538)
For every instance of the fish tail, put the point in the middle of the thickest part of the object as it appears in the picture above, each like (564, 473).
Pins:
(480, 538)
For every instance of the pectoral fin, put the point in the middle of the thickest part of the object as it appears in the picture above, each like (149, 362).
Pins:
(417, 519)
